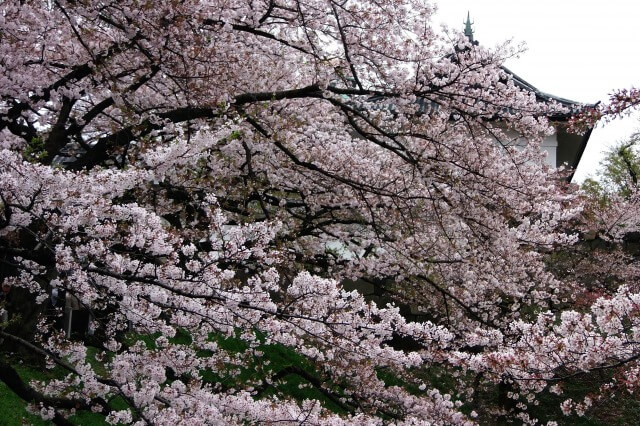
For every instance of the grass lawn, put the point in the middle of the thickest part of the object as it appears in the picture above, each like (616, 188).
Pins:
(278, 358)
(13, 410)
(298, 378)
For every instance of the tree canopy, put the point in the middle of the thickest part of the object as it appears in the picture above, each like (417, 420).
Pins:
(202, 177)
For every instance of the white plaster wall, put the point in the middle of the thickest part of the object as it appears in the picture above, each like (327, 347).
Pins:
(549, 145)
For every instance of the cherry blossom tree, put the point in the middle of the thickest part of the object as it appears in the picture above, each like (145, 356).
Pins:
(621, 103)
(198, 171)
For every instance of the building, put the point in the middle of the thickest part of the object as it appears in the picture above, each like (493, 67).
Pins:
(563, 147)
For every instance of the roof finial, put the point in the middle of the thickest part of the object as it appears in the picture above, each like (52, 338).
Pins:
(467, 28)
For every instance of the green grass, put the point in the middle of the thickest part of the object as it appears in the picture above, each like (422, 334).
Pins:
(253, 368)
(13, 410)
(274, 358)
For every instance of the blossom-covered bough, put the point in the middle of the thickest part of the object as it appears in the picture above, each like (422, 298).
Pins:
(216, 169)
(621, 103)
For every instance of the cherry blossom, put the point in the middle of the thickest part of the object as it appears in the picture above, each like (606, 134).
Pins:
(191, 173)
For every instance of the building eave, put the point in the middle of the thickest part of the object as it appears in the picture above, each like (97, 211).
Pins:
(573, 106)
(581, 149)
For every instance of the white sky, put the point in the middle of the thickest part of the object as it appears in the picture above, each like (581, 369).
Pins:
(576, 49)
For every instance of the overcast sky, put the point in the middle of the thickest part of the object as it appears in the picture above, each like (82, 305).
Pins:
(576, 49)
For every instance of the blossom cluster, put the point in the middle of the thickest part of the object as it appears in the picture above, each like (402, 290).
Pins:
(191, 173)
